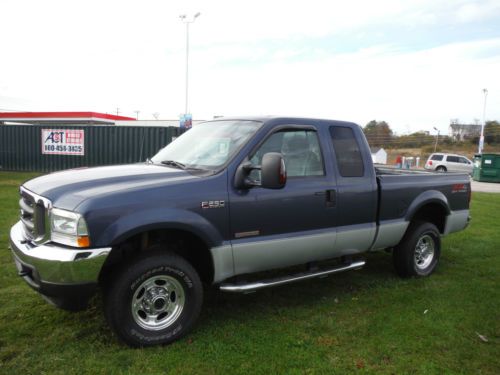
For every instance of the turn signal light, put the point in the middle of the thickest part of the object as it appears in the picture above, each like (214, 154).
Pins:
(83, 241)
(282, 172)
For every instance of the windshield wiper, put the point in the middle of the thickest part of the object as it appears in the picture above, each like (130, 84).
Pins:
(174, 163)
(179, 165)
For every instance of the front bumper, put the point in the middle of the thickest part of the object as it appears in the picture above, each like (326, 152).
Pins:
(54, 270)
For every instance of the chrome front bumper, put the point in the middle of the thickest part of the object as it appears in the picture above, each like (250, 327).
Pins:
(52, 264)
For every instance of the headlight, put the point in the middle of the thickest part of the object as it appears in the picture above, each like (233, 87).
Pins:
(68, 228)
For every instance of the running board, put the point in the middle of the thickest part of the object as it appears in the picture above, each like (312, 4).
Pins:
(251, 287)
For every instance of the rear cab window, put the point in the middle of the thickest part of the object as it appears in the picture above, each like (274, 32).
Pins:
(347, 152)
(452, 159)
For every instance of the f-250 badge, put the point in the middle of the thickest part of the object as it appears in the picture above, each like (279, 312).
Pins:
(213, 204)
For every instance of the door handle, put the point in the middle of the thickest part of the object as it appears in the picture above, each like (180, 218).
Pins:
(331, 198)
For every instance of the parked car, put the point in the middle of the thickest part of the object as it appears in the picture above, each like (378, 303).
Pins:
(449, 163)
(224, 202)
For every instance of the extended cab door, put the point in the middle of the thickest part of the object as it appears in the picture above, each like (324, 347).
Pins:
(293, 225)
(356, 189)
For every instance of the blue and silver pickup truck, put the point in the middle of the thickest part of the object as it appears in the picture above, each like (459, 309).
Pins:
(225, 202)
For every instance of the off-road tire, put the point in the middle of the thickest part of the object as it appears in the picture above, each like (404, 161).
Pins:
(406, 255)
(123, 288)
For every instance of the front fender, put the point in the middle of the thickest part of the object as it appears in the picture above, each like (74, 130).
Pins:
(159, 218)
(429, 196)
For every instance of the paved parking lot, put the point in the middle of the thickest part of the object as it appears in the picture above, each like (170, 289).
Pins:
(485, 187)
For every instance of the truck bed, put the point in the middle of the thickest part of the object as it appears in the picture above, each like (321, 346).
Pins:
(387, 170)
(399, 188)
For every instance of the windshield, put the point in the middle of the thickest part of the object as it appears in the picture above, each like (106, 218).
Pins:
(207, 146)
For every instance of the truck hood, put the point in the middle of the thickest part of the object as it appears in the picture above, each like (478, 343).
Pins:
(67, 189)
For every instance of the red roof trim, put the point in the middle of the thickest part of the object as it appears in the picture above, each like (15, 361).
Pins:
(62, 115)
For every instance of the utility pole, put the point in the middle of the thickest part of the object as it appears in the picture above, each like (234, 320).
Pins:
(137, 114)
(117, 111)
(437, 137)
(187, 21)
(481, 139)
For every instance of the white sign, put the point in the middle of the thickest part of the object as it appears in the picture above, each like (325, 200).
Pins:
(63, 141)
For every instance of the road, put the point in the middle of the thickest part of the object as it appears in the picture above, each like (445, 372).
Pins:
(485, 187)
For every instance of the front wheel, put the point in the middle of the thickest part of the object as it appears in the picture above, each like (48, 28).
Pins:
(418, 252)
(155, 299)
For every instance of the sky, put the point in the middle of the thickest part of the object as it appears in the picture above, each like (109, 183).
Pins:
(415, 64)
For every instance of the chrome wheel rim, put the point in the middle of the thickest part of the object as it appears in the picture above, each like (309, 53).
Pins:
(158, 302)
(424, 252)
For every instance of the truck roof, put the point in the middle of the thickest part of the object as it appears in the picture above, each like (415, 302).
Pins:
(284, 119)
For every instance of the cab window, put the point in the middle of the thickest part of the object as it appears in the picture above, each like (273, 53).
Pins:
(300, 150)
(347, 152)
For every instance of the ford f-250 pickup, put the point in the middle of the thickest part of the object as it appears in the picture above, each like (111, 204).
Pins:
(226, 201)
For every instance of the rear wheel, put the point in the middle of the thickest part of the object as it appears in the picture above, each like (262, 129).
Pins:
(155, 299)
(418, 252)
(441, 169)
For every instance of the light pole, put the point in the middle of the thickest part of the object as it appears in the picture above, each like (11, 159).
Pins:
(481, 138)
(437, 137)
(184, 18)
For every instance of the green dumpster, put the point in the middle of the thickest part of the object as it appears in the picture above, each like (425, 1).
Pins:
(486, 168)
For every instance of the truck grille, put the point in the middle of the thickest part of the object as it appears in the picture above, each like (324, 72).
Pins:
(33, 216)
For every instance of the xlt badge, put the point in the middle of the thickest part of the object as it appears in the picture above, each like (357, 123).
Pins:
(213, 204)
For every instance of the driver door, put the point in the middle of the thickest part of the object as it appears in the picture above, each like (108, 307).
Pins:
(294, 225)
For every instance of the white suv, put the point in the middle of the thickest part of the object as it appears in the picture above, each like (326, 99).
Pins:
(449, 162)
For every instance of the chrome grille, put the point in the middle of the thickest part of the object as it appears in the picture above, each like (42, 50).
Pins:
(34, 215)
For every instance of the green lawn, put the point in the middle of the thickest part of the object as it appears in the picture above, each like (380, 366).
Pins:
(366, 321)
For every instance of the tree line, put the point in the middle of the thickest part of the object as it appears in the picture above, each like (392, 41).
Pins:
(380, 134)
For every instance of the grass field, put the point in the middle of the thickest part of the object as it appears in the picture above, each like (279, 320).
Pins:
(366, 321)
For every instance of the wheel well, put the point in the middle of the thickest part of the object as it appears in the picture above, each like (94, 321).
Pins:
(433, 213)
(441, 167)
(183, 243)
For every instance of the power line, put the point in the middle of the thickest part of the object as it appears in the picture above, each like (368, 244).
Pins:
(422, 137)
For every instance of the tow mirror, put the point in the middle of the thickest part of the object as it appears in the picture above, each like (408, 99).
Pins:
(272, 173)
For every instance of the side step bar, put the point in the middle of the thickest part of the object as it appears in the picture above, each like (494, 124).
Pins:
(251, 287)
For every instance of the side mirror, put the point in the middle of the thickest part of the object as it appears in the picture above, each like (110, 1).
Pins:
(273, 171)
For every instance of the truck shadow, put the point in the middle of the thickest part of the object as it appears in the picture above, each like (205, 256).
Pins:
(225, 309)
(219, 306)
